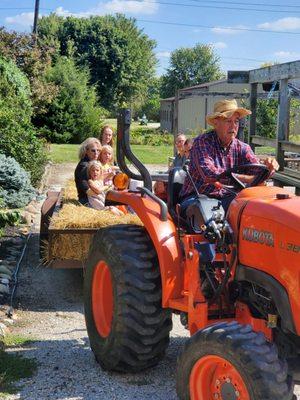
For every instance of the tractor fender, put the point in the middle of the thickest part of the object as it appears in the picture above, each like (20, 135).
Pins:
(164, 237)
(275, 288)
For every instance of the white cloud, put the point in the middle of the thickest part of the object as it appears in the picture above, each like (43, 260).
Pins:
(287, 55)
(230, 30)
(114, 6)
(163, 54)
(283, 24)
(219, 45)
(130, 7)
(61, 12)
(24, 19)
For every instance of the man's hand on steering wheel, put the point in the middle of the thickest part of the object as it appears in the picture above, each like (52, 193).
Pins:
(271, 163)
(246, 175)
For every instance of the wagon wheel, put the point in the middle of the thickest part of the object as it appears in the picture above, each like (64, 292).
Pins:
(229, 361)
(127, 326)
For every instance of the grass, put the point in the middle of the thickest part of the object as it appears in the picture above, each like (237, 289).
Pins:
(134, 124)
(60, 153)
(265, 150)
(14, 367)
(68, 153)
(12, 340)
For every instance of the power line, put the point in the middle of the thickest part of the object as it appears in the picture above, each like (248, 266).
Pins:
(218, 7)
(217, 27)
(24, 8)
(246, 4)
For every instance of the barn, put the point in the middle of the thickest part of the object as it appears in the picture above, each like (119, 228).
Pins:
(195, 102)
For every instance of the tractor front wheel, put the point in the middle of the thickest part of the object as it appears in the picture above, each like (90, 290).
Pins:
(229, 361)
(127, 326)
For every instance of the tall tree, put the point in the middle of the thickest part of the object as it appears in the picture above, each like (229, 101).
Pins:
(17, 135)
(73, 114)
(34, 60)
(119, 56)
(150, 105)
(189, 67)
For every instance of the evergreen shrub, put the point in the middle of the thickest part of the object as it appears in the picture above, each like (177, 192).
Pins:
(73, 114)
(17, 136)
(10, 218)
(15, 187)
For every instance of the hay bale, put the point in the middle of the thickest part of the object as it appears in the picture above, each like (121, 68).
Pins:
(78, 216)
(69, 246)
(73, 215)
(70, 191)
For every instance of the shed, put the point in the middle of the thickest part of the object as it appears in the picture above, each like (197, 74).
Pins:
(166, 114)
(195, 102)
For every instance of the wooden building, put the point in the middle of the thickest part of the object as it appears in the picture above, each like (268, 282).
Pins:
(166, 114)
(282, 75)
(195, 102)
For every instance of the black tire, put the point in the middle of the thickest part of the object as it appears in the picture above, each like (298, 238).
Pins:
(255, 359)
(139, 331)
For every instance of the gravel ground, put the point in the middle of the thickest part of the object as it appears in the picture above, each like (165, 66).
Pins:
(50, 310)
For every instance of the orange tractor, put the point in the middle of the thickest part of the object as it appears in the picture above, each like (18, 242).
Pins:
(234, 279)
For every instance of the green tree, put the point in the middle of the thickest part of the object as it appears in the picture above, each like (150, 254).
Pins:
(17, 136)
(34, 60)
(150, 105)
(266, 117)
(119, 56)
(73, 115)
(189, 67)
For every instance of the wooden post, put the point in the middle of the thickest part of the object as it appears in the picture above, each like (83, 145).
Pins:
(282, 121)
(206, 111)
(253, 104)
(36, 17)
(175, 119)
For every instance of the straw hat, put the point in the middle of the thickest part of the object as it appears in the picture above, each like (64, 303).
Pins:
(225, 109)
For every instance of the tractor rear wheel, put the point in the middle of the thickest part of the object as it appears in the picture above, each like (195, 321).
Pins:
(229, 361)
(127, 326)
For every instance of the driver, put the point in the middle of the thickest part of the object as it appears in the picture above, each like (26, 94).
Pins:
(218, 150)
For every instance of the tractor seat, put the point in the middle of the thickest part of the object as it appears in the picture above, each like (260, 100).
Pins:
(175, 182)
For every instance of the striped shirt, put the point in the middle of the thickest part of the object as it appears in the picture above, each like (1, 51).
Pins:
(208, 159)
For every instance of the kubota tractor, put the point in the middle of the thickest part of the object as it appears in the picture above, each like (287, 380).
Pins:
(234, 279)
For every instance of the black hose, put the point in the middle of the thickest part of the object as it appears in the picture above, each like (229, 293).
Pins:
(9, 311)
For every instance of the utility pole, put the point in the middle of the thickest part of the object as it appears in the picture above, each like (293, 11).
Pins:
(36, 17)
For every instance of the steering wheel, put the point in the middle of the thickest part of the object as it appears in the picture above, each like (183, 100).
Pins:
(259, 171)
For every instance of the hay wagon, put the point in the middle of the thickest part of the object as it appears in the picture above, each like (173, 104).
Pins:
(67, 228)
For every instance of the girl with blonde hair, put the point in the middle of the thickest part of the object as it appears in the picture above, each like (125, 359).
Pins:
(106, 157)
(97, 189)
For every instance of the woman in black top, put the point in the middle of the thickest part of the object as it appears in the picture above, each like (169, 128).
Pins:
(89, 150)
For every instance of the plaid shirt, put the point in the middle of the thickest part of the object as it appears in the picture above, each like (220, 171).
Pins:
(208, 159)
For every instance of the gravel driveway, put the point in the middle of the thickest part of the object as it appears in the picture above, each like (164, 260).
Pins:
(50, 310)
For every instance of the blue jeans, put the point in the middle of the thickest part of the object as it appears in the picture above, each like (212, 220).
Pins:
(225, 201)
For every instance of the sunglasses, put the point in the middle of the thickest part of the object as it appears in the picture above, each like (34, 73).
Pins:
(95, 150)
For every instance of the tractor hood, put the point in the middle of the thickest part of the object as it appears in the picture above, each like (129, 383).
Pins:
(267, 203)
(267, 227)
(285, 212)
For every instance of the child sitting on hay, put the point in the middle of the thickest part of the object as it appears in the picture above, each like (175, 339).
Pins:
(96, 196)
(106, 158)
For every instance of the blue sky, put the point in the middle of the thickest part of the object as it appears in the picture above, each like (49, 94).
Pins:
(244, 33)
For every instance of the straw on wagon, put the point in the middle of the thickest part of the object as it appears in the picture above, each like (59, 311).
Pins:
(73, 215)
